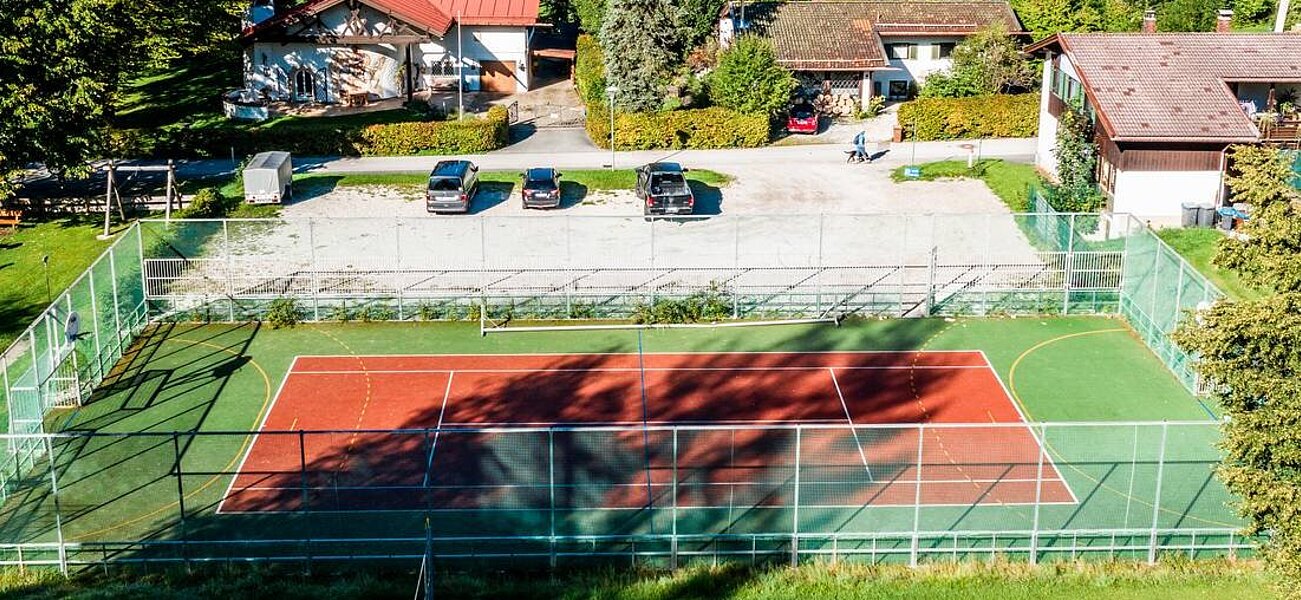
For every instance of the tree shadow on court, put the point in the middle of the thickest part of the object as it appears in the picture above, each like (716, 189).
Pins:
(168, 380)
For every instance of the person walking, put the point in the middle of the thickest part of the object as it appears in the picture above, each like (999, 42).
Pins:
(860, 147)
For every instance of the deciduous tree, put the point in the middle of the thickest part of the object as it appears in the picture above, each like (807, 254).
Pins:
(988, 62)
(748, 78)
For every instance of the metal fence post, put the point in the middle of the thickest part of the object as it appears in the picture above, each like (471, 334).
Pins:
(917, 498)
(58, 511)
(117, 310)
(1038, 494)
(180, 497)
(1067, 283)
(903, 267)
(1156, 278)
(795, 512)
(94, 324)
(673, 563)
(1156, 502)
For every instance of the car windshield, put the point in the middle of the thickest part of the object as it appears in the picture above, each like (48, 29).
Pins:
(802, 112)
(540, 184)
(444, 184)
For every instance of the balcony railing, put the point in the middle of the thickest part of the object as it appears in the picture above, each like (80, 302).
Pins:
(1279, 129)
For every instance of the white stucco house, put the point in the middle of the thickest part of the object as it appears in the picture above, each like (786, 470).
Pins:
(1167, 106)
(865, 48)
(338, 51)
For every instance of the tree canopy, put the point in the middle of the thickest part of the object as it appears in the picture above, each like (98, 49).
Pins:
(748, 78)
(642, 45)
(988, 62)
(1251, 353)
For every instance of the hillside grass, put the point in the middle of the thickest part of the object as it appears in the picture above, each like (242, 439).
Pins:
(1181, 579)
(1198, 247)
(1011, 182)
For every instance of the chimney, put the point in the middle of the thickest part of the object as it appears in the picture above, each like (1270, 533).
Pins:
(1224, 22)
(1149, 21)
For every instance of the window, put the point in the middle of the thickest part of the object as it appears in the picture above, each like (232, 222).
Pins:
(876, 88)
(1066, 87)
(901, 51)
(944, 50)
(899, 89)
(304, 85)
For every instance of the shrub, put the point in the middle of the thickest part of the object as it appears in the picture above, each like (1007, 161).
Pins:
(975, 117)
(283, 313)
(207, 203)
(589, 71)
(714, 304)
(713, 127)
(748, 78)
(469, 136)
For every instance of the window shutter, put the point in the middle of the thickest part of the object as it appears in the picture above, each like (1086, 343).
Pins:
(935, 52)
(912, 51)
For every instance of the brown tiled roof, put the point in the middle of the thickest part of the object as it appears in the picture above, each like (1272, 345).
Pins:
(846, 34)
(1174, 86)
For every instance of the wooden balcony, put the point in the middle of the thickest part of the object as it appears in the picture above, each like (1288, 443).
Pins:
(1285, 131)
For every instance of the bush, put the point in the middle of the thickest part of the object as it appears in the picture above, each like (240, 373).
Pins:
(283, 313)
(711, 305)
(207, 203)
(589, 71)
(695, 129)
(748, 78)
(976, 117)
(469, 136)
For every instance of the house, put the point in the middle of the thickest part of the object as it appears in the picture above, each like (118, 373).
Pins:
(1166, 106)
(865, 48)
(335, 51)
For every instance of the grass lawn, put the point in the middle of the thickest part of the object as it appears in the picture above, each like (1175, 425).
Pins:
(1011, 182)
(186, 92)
(1198, 246)
(1180, 580)
(71, 246)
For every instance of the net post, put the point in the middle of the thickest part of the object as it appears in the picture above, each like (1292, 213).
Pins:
(917, 498)
(1156, 501)
(1038, 493)
(551, 491)
(795, 511)
(673, 549)
(180, 498)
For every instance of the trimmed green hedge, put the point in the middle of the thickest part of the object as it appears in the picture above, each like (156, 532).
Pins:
(714, 127)
(321, 137)
(998, 116)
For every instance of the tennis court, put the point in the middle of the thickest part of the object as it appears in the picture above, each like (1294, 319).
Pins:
(464, 395)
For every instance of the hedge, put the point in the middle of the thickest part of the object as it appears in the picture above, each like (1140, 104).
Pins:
(714, 127)
(997, 116)
(320, 137)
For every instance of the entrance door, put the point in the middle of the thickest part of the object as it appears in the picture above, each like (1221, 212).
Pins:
(497, 76)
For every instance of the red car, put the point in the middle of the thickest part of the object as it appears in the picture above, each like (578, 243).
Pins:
(802, 119)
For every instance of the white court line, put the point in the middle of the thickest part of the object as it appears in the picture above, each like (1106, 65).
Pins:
(472, 426)
(852, 428)
(663, 353)
(429, 465)
(704, 484)
(1042, 444)
(230, 488)
(636, 370)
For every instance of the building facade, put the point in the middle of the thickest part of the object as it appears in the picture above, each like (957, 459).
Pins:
(336, 51)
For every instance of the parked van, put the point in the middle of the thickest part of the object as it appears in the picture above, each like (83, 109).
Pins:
(269, 178)
(452, 185)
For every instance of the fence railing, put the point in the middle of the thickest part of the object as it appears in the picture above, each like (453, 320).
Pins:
(571, 494)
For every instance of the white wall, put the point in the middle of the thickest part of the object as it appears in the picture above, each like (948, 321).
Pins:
(1158, 195)
(1047, 140)
(913, 70)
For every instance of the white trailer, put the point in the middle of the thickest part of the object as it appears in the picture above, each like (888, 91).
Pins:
(268, 178)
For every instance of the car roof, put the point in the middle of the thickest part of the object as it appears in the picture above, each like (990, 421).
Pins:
(664, 167)
(450, 168)
(540, 173)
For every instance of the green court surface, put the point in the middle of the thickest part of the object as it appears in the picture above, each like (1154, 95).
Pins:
(196, 392)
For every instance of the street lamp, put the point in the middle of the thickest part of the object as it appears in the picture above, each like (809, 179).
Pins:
(611, 91)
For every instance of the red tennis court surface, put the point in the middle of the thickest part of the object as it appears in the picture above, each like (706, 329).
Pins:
(627, 431)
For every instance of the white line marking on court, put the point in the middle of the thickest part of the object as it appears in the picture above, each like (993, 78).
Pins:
(1042, 444)
(857, 442)
(908, 484)
(635, 370)
(429, 465)
(230, 488)
(666, 353)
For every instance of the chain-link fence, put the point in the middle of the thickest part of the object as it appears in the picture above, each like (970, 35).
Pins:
(663, 494)
(61, 358)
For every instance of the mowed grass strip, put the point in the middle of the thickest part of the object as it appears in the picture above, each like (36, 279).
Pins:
(1198, 246)
(1173, 580)
(1011, 182)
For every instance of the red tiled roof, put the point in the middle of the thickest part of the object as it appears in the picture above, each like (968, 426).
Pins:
(436, 16)
(846, 34)
(1174, 86)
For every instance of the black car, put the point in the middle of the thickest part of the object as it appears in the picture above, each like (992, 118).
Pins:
(663, 189)
(541, 188)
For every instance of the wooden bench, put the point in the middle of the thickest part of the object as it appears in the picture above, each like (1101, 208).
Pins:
(11, 219)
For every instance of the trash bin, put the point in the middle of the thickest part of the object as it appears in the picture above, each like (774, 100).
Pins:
(1206, 215)
(1188, 218)
(1226, 218)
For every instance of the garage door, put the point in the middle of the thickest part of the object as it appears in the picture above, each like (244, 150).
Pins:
(498, 76)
